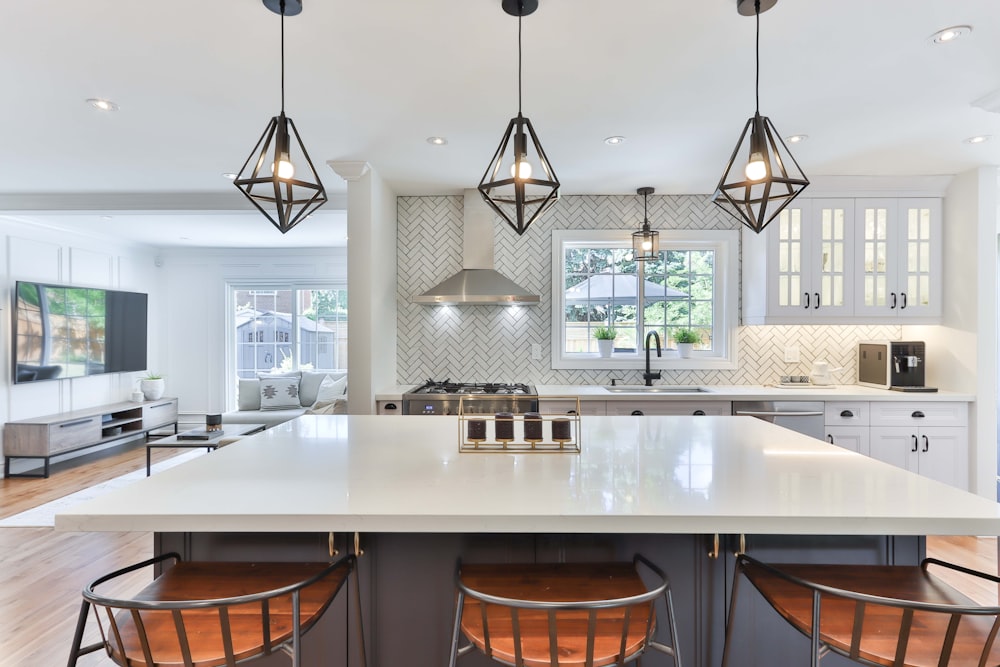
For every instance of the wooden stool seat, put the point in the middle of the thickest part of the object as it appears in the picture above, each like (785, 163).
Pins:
(567, 614)
(897, 616)
(205, 614)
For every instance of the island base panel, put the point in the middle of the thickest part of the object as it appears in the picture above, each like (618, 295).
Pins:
(408, 584)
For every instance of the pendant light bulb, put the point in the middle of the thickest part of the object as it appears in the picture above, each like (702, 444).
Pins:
(283, 168)
(756, 169)
(647, 245)
(521, 169)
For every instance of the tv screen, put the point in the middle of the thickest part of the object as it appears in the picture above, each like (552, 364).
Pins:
(66, 332)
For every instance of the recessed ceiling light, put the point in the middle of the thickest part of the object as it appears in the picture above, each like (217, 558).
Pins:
(614, 141)
(979, 139)
(796, 138)
(437, 141)
(230, 175)
(951, 34)
(102, 104)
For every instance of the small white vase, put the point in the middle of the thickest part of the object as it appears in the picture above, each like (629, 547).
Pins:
(605, 346)
(684, 349)
(152, 389)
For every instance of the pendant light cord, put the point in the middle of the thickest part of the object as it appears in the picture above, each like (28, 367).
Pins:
(520, 11)
(756, 6)
(283, 56)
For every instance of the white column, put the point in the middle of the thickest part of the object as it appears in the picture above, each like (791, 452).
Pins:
(371, 284)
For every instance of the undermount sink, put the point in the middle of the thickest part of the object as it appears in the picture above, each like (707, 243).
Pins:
(656, 389)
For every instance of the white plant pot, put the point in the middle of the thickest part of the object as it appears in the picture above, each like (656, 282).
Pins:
(605, 347)
(152, 389)
(685, 349)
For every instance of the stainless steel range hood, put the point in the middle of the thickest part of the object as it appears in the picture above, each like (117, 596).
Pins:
(477, 284)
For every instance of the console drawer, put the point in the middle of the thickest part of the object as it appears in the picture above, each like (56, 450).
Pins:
(159, 413)
(919, 413)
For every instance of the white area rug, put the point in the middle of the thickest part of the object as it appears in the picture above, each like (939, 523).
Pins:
(44, 515)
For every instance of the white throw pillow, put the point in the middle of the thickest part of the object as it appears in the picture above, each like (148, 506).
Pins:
(279, 393)
(331, 390)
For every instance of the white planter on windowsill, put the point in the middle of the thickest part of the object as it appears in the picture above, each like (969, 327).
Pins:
(605, 346)
(685, 349)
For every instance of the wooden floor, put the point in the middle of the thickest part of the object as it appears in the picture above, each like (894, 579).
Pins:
(42, 571)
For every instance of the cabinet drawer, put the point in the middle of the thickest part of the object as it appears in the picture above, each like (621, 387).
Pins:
(563, 407)
(670, 407)
(74, 433)
(917, 414)
(844, 413)
(159, 413)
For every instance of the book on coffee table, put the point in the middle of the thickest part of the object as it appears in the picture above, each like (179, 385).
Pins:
(199, 435)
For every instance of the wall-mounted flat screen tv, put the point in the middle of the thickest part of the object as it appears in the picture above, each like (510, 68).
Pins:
(62, 331)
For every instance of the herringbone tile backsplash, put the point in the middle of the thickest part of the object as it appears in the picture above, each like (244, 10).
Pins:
(487, 343)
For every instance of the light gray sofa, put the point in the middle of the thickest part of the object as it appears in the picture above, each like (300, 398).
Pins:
(250, 412)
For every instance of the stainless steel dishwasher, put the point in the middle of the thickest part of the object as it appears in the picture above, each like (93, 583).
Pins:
(802, 416)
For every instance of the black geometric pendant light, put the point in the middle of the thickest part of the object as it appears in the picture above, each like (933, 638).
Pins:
(278, 177)
(762, 177)
(646, 241)
(520, 186)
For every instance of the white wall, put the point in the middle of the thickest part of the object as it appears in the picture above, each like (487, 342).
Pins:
(195, 314)
(29, 252)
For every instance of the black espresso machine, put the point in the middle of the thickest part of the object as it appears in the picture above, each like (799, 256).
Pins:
(892, 364)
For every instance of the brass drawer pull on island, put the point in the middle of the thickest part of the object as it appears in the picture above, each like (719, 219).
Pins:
(714, 553)
(334, 551)
(358, 551)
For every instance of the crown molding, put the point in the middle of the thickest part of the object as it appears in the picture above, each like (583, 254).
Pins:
(139, 201)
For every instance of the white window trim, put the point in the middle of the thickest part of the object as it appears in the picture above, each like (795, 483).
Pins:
(726, 315)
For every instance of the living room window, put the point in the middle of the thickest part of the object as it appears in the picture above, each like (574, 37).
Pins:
(288, 328)
(596, 283)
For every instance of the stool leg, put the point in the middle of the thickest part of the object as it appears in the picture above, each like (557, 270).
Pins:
(673, 628)
(732, 614)
(814, 659)
(457, 629)
(296, 631)
(81, 624)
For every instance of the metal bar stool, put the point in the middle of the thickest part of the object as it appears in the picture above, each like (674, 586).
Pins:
(203, 614)
(560, 615)
(899, 616)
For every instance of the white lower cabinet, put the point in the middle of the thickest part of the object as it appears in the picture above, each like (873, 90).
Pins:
(669, 407)
(854, 438)
(566, 407)
(938, 452)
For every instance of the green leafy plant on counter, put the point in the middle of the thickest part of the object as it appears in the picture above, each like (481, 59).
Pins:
(152, 376)
(686, 336)
(605, 333)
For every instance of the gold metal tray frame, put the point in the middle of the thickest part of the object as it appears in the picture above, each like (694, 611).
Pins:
(518, 443)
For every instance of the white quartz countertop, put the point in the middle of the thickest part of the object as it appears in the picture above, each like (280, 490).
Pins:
(651, 475)
(728, 392)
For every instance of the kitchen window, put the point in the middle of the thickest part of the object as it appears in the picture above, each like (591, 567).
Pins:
(596, 283)
(288, 328)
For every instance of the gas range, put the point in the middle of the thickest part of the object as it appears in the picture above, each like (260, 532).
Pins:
(442, 398)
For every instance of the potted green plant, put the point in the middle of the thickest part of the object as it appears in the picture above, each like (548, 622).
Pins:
(685, 339)
(605, 340)
(152, 386)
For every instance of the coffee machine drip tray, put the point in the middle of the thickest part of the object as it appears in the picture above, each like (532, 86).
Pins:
(922, 390)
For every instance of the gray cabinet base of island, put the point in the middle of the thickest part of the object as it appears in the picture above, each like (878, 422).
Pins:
(408, 586)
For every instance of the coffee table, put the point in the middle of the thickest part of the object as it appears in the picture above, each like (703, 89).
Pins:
(178, 441)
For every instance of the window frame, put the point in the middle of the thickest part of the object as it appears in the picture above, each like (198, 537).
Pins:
(725, 314)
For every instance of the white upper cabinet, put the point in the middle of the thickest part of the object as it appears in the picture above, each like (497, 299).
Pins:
(899, 258)
(830, 261)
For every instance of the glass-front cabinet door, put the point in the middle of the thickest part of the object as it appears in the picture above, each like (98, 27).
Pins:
(899, 258)
(811, 244)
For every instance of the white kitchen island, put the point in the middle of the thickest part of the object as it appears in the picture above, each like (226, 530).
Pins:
(660, 485)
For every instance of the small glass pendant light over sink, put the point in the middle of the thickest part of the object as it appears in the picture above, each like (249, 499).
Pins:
(518, 190)
(756, 190)
(646, 241)
(278, 178)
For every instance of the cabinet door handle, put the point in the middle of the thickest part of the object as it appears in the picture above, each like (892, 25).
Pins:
(903, 294)
(917, 414)
(807, 299)
(698, 413)
(927, 444)
(571, 412)
(817, 300)
(637, 413)
(390, 406)
(75, 423)
(846, 413)
(914, 443)
(893, 300)
(830, 438)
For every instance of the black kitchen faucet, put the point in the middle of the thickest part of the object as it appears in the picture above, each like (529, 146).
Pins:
(649, 376)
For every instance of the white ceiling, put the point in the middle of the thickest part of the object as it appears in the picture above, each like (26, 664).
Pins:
(197, 82)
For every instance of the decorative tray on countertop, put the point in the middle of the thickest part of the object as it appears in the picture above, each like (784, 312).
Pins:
(532, 432)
